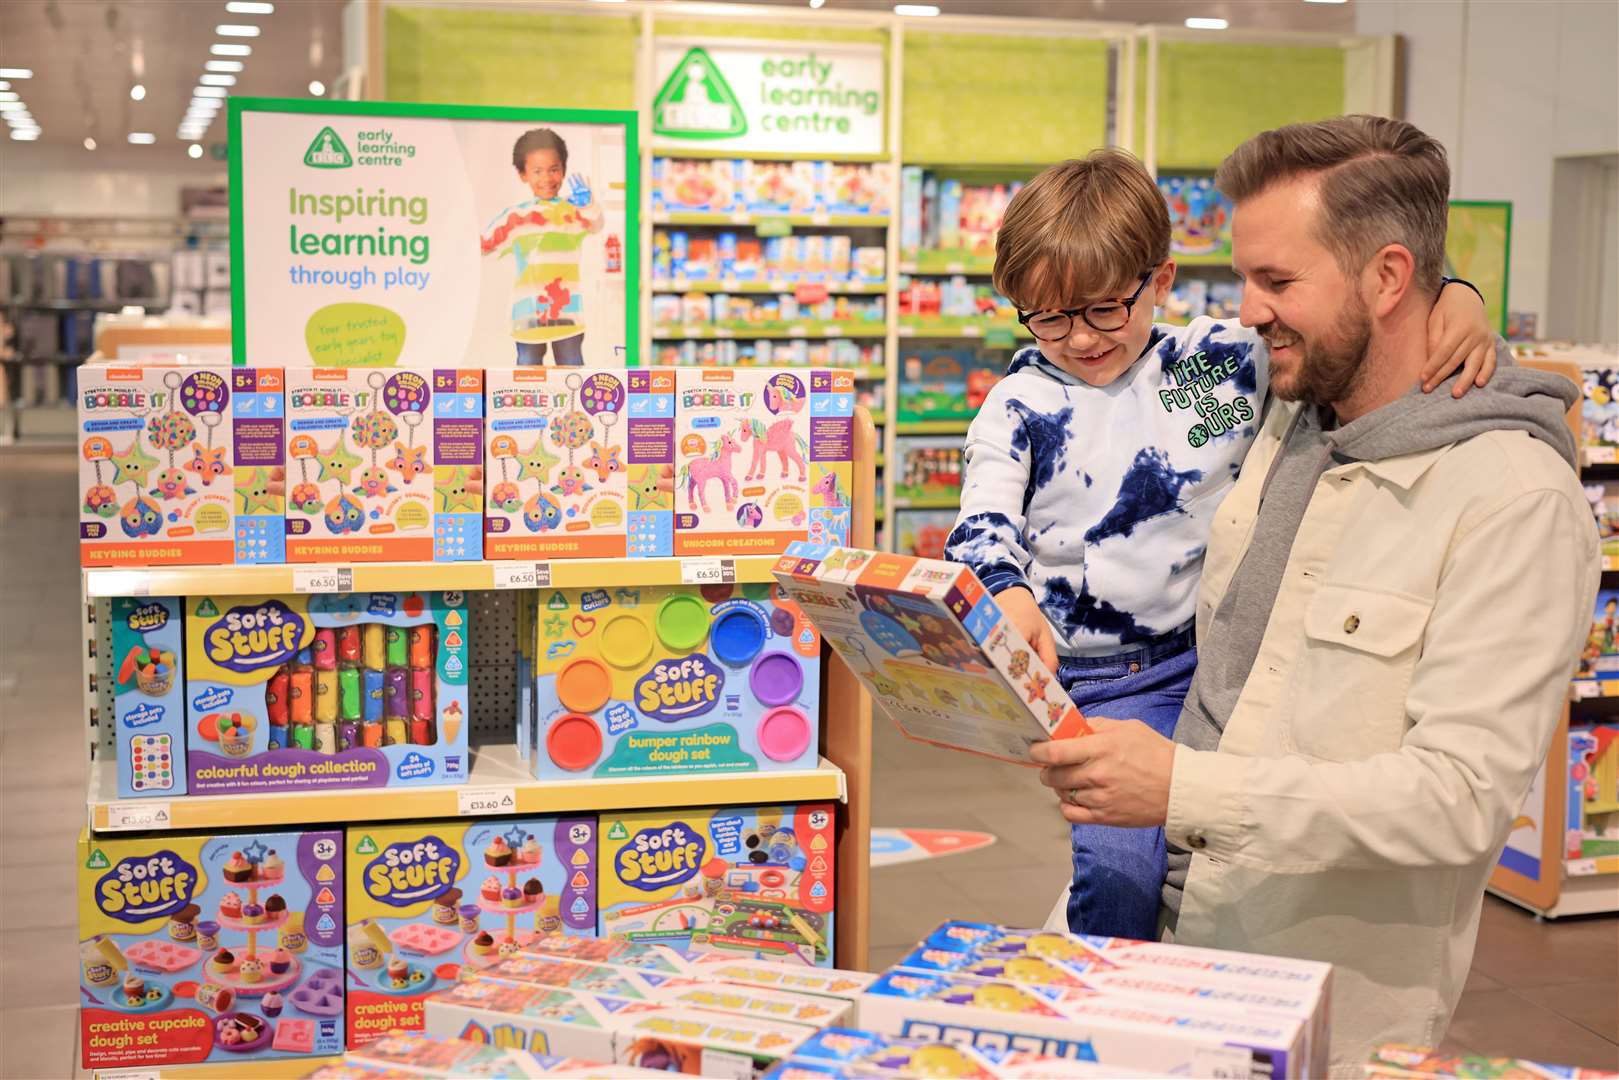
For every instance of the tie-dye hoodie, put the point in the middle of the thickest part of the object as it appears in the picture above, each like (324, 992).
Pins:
(1099, 499)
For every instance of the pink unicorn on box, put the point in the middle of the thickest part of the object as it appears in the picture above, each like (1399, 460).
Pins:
(778, 439)
(827, 488)
(702, 470)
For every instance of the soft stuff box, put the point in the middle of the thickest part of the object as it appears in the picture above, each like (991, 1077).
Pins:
(210, 948)
(325, 691)
(148, 696)
(673, 679)
(430, 903)
(384, 464)
(763, 458)
(741, 881)
(580, 462)
(929, 643)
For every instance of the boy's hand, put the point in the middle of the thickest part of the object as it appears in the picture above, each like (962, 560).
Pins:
(1019, 606)
(1459, 337)
(1118, 775)
(579, 191)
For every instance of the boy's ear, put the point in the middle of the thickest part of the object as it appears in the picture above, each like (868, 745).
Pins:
(1162, 281)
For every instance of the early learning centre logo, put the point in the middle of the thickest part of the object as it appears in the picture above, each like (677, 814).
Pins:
(326, 151)
(696, 102)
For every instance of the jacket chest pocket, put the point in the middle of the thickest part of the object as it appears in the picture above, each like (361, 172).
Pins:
(1360, 649)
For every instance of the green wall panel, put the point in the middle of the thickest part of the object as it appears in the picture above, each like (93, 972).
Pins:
(764, 31)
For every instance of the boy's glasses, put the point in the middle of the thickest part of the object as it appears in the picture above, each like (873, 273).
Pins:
(1105, 315)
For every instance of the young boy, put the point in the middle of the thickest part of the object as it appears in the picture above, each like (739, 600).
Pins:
(1094, 468)
(544, 235)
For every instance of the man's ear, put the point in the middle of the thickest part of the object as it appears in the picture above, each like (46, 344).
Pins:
(1388, 278)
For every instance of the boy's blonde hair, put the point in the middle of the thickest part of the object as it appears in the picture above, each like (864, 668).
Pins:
(1081, 230)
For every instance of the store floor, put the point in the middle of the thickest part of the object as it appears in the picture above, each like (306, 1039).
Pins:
(1541, 991)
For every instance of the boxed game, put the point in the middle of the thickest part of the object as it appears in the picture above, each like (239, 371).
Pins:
(742, 881)
(702, 186)
(148, 696)
(700, 1043)
(772, 975)
(865, 1055)
(930, 645)
(615, 952)
(1599, 659)
(811, 1009)
(416, 1054)
(779, 187)
(798, 437)
(674, 679)
(383, 465)
(928, 467)
(210, 948)
(534, 1018)
(580, 462)
(1199, 216)
(432, 902)
(1394, 1061)
(325, 690)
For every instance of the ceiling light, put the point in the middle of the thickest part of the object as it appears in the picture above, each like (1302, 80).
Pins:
(12, 106)
(923, 11)
(1206, 24)
(194, 151)
(220, 48)
(208, 92)
(4, 85)
(816, 3)
(223, 65)
(23, 123)
(317, 88)
(9, 95)
(89, 143)
(142, 138)
(244, 7)
(16, 73)
(217, 80)
(25, 134)
(137, 92)
(236, 30)
(1326, 1)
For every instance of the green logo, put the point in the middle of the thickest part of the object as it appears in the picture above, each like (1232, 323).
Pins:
(206, 609)
(98, 861)
(366, 846)
(696, 102)
(326, 151)
(618, 832)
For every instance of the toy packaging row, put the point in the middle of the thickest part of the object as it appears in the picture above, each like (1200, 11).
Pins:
(923, 533)
(1395, 1061)
(929, 643)
(1199, 216)
(218, 948)
(956, 298)
(1599, 659)
(1591, 834)
(939, 212)
(769, 187)
(1190, 298)
(415, 1054)
(764, 352)
(945, 384)
(849, 1054)
(679, 257)
(291, 693)
(697, 309)
(928, 467)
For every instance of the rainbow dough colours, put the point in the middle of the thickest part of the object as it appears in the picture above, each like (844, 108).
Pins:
(148, 695)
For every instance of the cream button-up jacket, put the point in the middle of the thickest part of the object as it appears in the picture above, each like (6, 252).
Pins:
(1405, 692)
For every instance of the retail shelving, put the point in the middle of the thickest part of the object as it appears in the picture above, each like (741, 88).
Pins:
(932, 427)
(728, 285)
(749, 330)
(745, 217)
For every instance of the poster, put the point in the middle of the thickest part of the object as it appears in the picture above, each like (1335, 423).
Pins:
(1478, 247)
(381, 233)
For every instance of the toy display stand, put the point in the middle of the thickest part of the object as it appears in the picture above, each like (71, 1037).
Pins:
(233, 979)
(512, 914)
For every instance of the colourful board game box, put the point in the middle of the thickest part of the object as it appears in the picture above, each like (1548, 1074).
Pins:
(616, 952)
(210, 948)
(929, 643)
(745, 881)
(674, 679)
(580, 462)
(430, 903)
(533, 1018)
(1394, 1061)
(383, 464)
(771, 975)
(148, 696)
(326, 690)
(762, 459)
(700, 1043)
(417, 1054)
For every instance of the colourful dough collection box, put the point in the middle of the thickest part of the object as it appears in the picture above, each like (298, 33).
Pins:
(762, 458)
(295, 693)
(431, 903)
(148, 696)
(580, 462)
(931, 646)
(676, 679)
(210, 948)
(176, 465)
(384, 464)
(749, 882)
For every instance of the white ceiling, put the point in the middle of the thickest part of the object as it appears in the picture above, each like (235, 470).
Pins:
(1254, 15)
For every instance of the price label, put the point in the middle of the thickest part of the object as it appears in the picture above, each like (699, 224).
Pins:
(337, 579)
(520, 575)
(972, 330)
(773, 226)
(955, 268)
(740, 217)
(730, 284)
(907, 331)
(682, 283)
(778, 285)
(708, 571)
(477, 802)
(1580, 867)
(660, 217)
(724, 331)
(1223, 1062)
(820, 217)
(128, 816)
(810, 293)
(128, 1074)
(798, 331)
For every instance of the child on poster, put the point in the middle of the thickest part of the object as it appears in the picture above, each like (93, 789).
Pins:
(544, 235)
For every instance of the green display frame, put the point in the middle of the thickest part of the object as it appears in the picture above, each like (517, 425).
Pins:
(1484, 213)
(627, 119)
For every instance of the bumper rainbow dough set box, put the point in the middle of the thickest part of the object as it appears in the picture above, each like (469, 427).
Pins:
(743, 881)
(331, 690)
(382, 464)
(580, 462)
(673, 679)
(210, 948)
(148, 695)
(762, 458)
(431, 903)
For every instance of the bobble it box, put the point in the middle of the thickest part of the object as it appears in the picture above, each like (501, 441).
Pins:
(762, 458)
(743, 881)
(431, 903)
(677, 679)
(930, 645)
(580, 462)
(164, 471)
(210, 948)
(384, 464)
(148, 695)
(339, 690)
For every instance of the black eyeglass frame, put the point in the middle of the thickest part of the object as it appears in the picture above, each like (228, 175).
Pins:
(1129, 304)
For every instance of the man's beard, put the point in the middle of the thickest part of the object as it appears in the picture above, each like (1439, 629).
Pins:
(1331, 365)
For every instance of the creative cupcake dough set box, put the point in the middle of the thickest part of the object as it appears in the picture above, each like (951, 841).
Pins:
(210, 948)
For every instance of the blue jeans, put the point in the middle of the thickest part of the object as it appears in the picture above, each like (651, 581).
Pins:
(1118, 873)
(569, 352)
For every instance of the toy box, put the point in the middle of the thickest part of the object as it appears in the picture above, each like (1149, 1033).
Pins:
(534, 1018)
(210, 948)
(744, 881)
(674, 679)
(1591, 831)
(1393, 1061)
(429, 903)
(1599, 659)
(258, 443)
(700, 1043)
(383, 465)
(928, 642)
(327, 690)
(772, 975)
(148, 696)
(923, 533)
(580, 462)
(928, 467)
(415, 1054)
(793, 482)
(694, 186)
(780, 187)
(1199, 216)
(865, 1055)
(933, 384)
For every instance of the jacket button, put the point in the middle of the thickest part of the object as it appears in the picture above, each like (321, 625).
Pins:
(1351, 624)
(1197, 841)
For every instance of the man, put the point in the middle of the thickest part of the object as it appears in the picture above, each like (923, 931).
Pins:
(1392, 601)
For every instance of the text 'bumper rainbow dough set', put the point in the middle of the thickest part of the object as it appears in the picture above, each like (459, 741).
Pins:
(383, 465)
(210, 948)
(932, 648)
(298, 693)
(429, 904)
(677, 679)
(762, 458)
(743, 881)
(580, 462)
